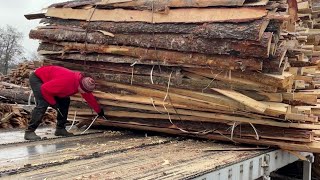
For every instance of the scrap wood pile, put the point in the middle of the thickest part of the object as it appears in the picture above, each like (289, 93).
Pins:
(20, 75)
(223, 70)
(15, 94)
(14, 87)
(16, 116)
(309, 30)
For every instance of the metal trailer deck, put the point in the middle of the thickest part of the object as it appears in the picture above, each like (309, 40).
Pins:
(128, 155)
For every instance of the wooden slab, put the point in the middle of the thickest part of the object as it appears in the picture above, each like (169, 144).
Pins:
(253, 104)
(190, 15)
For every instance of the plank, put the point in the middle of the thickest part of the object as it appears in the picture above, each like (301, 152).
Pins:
(227, 77)
(177, 98)
(281, 81)
(263, 96)
(215, 116)
(190, 15)
(304, 98)
(157, 101)
(251, 103)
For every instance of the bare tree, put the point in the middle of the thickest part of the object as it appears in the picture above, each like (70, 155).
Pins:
(10, 47)
(34, 56)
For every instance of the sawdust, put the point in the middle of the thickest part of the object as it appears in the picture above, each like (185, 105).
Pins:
(173, 160)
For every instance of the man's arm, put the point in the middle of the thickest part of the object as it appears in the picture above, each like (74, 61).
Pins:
(91, 100)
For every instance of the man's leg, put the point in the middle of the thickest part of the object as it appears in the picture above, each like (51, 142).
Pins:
(62, 117)
(38, 111)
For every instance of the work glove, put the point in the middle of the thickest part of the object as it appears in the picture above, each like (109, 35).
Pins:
(101, 114)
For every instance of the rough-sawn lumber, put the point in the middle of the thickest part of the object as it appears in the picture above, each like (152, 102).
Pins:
(188, 15)
(246, 31)
(183, 43)
(151, 56)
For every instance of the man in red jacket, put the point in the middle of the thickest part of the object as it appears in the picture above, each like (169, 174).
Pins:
(53, 86)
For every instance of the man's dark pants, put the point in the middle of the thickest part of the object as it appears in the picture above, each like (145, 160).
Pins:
(42, 105)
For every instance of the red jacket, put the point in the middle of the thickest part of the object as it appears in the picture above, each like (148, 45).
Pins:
(62, 82)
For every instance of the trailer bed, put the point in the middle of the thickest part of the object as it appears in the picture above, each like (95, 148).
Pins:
(126, 155)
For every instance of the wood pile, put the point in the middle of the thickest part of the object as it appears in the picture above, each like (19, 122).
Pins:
(12, 93)
(224, 70)
(20, 75)
(16, 116)
(15, 94)
(308, 28)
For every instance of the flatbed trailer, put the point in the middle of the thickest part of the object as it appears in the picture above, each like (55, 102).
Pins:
(128, 155)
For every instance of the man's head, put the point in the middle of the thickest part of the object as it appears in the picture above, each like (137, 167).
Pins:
(86, 84)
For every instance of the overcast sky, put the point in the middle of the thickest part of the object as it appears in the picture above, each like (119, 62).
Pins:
(12, 13)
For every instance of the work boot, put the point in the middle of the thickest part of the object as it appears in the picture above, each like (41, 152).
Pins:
(31, 135)
(62, 132)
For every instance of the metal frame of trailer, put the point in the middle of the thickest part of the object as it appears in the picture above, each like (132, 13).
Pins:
(260, 167)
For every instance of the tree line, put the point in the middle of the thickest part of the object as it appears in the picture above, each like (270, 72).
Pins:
(10, 47)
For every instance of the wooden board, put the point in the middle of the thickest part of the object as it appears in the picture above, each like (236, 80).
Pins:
(191, 15)
(251, 103)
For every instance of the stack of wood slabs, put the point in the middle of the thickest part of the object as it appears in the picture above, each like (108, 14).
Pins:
(307, 57)
(212, 69)
(20, 75)
(17, 116)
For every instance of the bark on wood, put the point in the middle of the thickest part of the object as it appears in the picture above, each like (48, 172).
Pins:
(159, 5)
(184, 43)
(151, 56)
(247, 31)
(20, 96)
(188, 15)
(145, 4)
(109, 58)
(62, 4)
(277, 63)
(112, 68)
(183, 83)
